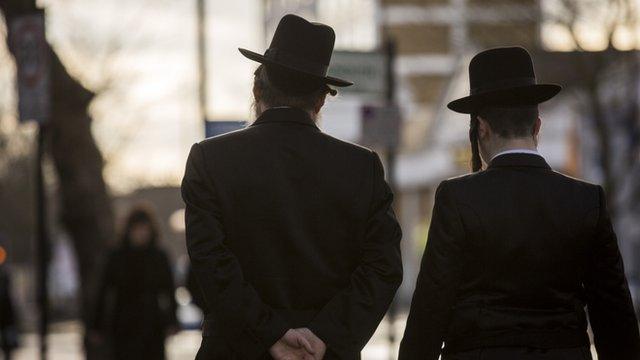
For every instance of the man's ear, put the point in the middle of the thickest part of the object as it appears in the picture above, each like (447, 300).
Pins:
(484, 130)
(536, 127)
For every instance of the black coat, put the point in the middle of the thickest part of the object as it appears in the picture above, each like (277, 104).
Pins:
(288, 227)
(136, 303)
(514, 254)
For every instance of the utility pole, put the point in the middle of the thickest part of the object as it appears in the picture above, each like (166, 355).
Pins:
(202, 60)
(43, 249)
(26, 30)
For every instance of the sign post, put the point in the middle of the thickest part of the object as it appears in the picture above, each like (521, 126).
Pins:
(31, 51)
(32, 60)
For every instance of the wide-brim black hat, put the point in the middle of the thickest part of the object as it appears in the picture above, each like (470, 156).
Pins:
(503, 77)
(301, 47)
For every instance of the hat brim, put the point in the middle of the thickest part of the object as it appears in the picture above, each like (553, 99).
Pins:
(522, 95)
(329, 80)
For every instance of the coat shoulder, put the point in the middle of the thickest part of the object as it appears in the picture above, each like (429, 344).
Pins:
(571, 186)
(220, 140)
(462, 180)
(333, 147)
(346, 146)
(588, 192)
(559, 177)
(575, 181)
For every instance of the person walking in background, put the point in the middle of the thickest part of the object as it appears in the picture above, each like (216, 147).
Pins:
(516, 251)
(8, 331)
(136, 307)
(290, 231)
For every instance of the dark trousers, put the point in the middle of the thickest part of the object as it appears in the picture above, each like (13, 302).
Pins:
(579, 353)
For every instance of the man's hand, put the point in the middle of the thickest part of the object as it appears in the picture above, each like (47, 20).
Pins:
(317, 344)
(292, 346)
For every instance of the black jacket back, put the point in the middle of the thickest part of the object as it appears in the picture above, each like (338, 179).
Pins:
(514, 254)
(289, 227)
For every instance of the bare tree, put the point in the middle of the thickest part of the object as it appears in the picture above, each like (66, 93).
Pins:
(610, 17)
(85, 203)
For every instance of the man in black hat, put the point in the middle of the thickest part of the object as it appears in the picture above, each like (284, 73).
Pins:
(291, 232)
(516, 251)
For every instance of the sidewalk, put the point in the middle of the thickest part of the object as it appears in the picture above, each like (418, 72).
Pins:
(65, 343)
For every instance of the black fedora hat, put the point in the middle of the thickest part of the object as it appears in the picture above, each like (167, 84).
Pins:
(503, 77)
(301, 47)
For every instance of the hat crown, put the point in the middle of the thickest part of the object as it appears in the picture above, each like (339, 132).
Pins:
(302, 48)
(497, 65)
(297, 37)
(503, 77)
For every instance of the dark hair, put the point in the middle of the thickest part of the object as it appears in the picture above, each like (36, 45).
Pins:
(510, 122)
(279, 88)
(139, 214)
(476, 161)
(507, 122)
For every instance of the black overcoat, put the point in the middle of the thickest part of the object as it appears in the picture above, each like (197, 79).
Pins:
(289, 227)
(514, 254)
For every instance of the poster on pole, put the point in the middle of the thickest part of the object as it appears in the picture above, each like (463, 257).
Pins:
(31, 51)
(381, 126)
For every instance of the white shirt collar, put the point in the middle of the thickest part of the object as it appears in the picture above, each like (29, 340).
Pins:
(517, 151)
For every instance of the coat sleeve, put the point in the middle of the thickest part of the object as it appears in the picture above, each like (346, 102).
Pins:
(251, 326)
(611, 313)
(437, 281)
(350, 318)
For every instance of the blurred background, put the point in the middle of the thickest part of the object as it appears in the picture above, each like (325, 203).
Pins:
(100, 101)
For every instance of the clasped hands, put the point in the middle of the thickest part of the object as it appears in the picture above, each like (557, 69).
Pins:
(298, 344)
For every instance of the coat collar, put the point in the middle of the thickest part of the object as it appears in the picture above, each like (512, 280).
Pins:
(519, 160)
(285, 114)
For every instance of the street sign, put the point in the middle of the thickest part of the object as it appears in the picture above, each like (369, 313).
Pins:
(215, 128)
(27, 39)
(367, 70)
(380, 126)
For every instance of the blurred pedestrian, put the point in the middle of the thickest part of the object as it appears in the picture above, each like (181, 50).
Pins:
(515, 252)
(8, 331)
(291, 232)
(136, 307)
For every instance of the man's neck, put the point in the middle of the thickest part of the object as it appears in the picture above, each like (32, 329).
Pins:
(513, 144)
(263, 107)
